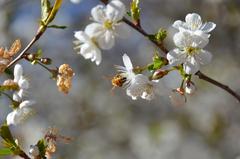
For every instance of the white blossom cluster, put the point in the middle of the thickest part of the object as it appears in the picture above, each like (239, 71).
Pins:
(101, 33)
(191, 39)
(23, 109)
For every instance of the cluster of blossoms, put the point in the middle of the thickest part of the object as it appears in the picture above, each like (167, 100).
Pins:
(102, 32)
(192, 37)
(21, 107)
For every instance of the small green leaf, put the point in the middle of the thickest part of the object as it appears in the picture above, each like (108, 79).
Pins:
(42, 148)
(57, 26)
(135, 10)
(6, 134)
(46, 8)
(5, 152)
(53, 12)
(161, 35)
(157, 63)
(39, 53)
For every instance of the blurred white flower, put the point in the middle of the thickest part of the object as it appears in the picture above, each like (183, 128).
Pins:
(137, 85)
(194, 24)
(88, 47)
(190, 52)
(76, 1)
(21, 81)
(34, 151)
(107, 23)
(19, 114)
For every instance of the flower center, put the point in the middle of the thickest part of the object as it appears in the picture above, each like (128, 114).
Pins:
(108, 24)
(191, 50)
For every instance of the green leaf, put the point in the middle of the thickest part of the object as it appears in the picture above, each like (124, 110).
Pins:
(46, 8)
(161, 35)
(6, 134)
(157, 63)
(57, 26)
(53, 12)
(135, 10)
(39, 53)
(5, 152)
(42, 148)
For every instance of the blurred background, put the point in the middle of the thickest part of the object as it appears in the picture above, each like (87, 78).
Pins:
(113, 126)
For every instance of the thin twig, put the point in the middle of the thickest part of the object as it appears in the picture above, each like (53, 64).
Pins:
(24, 155)
(35, 38)
(218, 84)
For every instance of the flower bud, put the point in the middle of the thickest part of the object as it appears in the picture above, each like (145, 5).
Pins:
(159, 74)
(46, 61)
(190, 88)
(34, 151)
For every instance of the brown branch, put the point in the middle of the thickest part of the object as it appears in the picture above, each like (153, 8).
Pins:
(144, 33)
(24, 155)
(218, 84)
(40, 32)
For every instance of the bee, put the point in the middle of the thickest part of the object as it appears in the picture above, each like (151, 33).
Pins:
(118, 80)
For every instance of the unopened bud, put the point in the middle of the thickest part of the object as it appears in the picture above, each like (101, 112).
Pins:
(34, 151)
(46, 61)
(159, 74)
(190, 88)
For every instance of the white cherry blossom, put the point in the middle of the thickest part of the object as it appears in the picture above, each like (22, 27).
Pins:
(137, 85)
(107, 23)
(21, 81)
(88, 47)
(190, 52)
(19, 114)
(193, 23)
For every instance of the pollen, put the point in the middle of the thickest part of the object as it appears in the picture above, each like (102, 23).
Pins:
(108, 24)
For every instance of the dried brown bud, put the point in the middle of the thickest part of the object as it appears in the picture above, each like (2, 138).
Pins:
(64, 78)
(6, 55)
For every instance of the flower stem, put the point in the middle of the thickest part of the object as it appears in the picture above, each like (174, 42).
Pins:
(165, 50)
(8, 96)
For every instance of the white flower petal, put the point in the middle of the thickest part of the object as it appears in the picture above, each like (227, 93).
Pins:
(115, 10)
(91, 52)
(26, 103)
(81, 36)
(16, 97)
(94, 30)
(107, 40)
(191, 66)
(98, 13)
(23, 83)
(179, 24)
(176, 57)
(194, 21)
(18, 72)
(204, 57)
(122, 30)
(127, 62)
(208, 27)
(11, 118)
